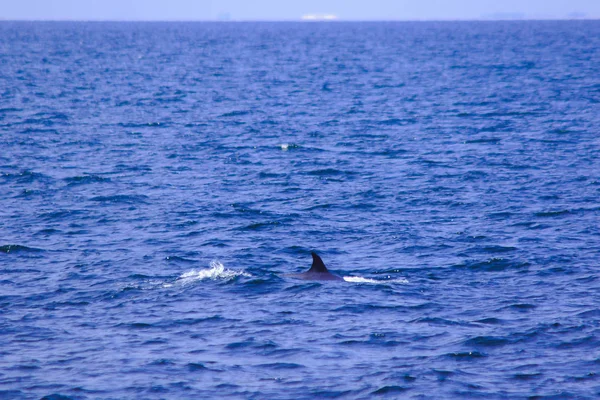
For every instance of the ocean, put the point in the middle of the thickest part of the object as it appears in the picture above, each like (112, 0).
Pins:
(159, 181)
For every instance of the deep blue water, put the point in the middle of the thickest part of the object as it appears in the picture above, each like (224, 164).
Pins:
(158, 180)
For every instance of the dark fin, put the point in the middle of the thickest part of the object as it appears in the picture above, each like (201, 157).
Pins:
(317, 265)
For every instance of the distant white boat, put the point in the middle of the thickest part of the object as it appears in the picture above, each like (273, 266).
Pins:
(319, 17)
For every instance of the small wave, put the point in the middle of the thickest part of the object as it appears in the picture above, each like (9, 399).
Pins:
(281, 365)
(142, 125)
(390, 389)
(490, 140)
(466, 355)
(197, 367)
(360, 279)
(237, 113)
(17, 248)
(329, 172)
(84, 179)
(121, 198)
(58, 215)
(397, 121)
(557, 213)
(261, 226)
(488, 341)
(25, 176)
(217, 271)
(288, 146)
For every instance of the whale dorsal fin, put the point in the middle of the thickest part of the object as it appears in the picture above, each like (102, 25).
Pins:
(317, 264)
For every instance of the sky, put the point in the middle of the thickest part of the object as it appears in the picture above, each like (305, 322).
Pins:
(294, 9)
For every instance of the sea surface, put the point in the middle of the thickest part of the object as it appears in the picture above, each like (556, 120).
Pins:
(159, 180)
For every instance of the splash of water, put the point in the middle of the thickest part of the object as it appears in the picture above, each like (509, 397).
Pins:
(360, 279)
(217, 271)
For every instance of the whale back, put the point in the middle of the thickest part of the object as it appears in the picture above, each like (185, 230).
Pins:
(317, 272)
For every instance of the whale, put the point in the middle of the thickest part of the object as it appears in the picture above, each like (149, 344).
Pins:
(317, 272)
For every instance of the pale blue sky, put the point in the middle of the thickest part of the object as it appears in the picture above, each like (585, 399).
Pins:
(293, 9)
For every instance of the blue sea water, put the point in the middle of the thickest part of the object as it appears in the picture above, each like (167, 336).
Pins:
(159, 180)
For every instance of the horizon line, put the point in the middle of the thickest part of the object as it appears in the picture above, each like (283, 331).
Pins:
(300, 20)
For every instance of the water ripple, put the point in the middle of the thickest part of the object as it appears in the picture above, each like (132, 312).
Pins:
(448, 171)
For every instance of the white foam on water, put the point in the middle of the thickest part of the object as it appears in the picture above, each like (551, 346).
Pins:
(217, 271)
(285, 146)
(360, 279)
